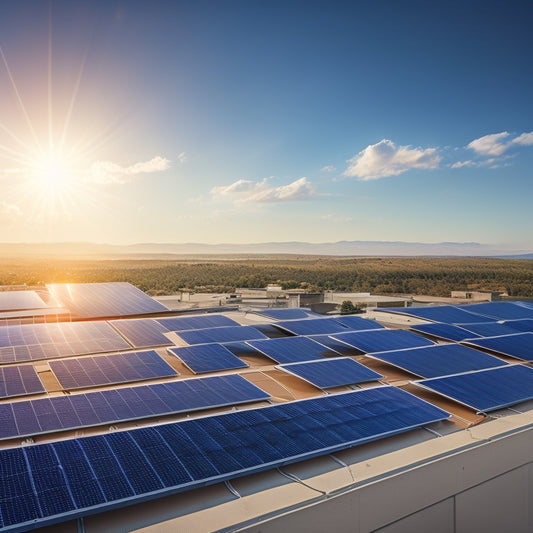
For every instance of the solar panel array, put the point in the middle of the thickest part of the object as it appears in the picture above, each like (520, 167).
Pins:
(519, 345)
(100, 300)
(332, 372)
(87, 372)
(20, 300)
(439, 360)
(142, 332)
(71, 477)
(182, 323)
(381, 340)
(222, 334)
(207, 358)
(290, 349)
(33, 342)
(19, 380)
(57, 413)
(486, 390)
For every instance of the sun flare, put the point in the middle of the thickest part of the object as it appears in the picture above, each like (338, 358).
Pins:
(52, 170)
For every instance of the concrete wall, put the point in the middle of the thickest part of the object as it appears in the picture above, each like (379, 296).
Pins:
(486, 488)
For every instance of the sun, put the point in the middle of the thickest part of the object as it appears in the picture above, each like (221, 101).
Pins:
(52, 170)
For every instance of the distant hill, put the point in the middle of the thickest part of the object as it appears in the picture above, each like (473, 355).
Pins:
(341, 248)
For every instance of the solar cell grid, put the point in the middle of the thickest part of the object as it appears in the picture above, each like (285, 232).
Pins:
(332, 372)
(19, 380)
(290, 349)
(381, 340)
(43, 415)
(183, 323)
(221, 334)
(142, 332)
(207, 358)
(153, 461)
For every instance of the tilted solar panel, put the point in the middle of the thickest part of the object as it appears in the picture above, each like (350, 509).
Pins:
(448, 314)
(519, 345)
(290, 349)
(336, 347)
(444, 331)
(288, 313)
(439, 360)
(312, 326)
(488, 329)
(108, 369)
(20, 300)
(142, 332)
(501, 310)
(207, 358)
(101, 300)
(521, 326)
(19, 380)
(332, 372)
(381, 340)
(58, 413)
(222, 334)
(357, 323)
(207, 320)
(32, 342)
(70, 478)
(486, 390)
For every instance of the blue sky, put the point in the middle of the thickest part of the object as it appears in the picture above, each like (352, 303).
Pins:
(252, 121)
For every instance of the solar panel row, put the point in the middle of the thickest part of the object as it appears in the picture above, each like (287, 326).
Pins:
(290, 349)
(73, 476)
(221, 334)
(447, 332)
(58, 413)
(142, 332)
(207, 358)
(518, 345)
(381, 340)
(183, 323)
(326, 326)
(19, 380)
(106, 369)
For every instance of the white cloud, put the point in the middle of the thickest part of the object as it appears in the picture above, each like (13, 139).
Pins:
(386, 159)
(108, 172)
(9, 209)
(182, 157)
(461, 164)
(490, 144)
(262, 192)
(525, 139)
(328, 168)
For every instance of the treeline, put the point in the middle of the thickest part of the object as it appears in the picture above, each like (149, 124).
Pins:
(431, 276)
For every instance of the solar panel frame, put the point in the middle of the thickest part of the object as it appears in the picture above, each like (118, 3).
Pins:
(290, 349)
(220, 335)
(381, 340)
(329, 373)
(202, 358)
(20, 380)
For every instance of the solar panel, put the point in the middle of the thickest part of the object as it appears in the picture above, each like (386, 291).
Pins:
(32, 342)
(95, 300)
(20, 300)
(312, 326)
(336, 347)
(382, 340)
(448, 314)
(522, 326)
(290, 349)
(182, 323)
(57, 413)
(142, 332)
(439, 360)
(357, 323)
(488, 329)
(501, 310)
(223, 334)
(19, 380)
(64, 480)
(107, 369)
(207, 358)
(448, 332)
(519, 345)
(332, 372)
(486, 390)
(288, 313)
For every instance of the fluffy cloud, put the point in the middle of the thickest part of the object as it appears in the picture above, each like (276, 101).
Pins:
(525, 139)
(328, 168)
(386, 159)
(108, 172)
(490, 144)
(263, 192)
(462, 164)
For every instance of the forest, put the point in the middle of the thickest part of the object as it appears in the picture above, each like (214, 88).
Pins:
(378, 275)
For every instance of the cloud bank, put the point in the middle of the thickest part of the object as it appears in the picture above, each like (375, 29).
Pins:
(108, 172)
(386, 159)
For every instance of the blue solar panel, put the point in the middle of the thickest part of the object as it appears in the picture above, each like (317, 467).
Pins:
(336, 347)
(20, 300)
(182, 323)
(448, 314)
(222, 334)
(19, 380)
(486, 390)
(488, 329)
(94, 300)
(501, 310)
(142, 332)
(332, 372)
(290, 349)
(440, 360)
(521, 326)
(207, 358)
(107, 369)
(43, 481)
(312, 326)
(57, 413)
(288, 314)
(33, 342)
(382, 340)
(519, 345)
(357, 323)
(444, 331)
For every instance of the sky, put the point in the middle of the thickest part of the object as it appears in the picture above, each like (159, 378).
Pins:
(266, 121)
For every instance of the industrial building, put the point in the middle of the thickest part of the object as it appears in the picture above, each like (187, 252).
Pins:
(121, 415)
